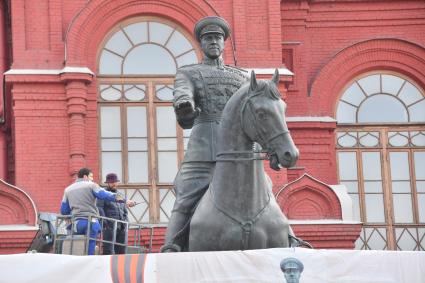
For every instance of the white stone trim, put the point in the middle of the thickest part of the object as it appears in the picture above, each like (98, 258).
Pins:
(325, 119)
(18, 227)
(269, 71)
(322, 221)
(32, 72)
(345, 201)
(78, 70)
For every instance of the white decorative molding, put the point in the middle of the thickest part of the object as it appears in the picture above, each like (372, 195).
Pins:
(77, 70)
(269, 71)
(18, 227)
(323, 221)
(32, 72)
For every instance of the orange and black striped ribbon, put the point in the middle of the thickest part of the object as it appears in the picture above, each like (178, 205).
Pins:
(128, 268)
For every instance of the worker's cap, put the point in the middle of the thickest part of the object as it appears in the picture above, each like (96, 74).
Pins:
(112, 178)
(212, 24)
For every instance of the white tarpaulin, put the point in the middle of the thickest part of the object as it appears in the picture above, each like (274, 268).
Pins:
(339, 266)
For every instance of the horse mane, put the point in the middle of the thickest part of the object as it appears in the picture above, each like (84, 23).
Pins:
(244, 94)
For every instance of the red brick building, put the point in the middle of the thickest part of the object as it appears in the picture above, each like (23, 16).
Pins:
(89, 83)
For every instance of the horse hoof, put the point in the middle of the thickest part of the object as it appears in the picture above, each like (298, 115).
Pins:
(170, 248)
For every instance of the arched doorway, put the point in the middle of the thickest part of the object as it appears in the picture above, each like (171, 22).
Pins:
(139, 138)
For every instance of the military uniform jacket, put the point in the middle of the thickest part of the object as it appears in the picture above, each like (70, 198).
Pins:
(208, 86)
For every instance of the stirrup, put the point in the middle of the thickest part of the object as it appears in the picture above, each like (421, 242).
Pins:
(295, 242)
(170, 248)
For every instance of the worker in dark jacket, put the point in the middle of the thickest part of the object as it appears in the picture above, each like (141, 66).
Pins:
(117, 211)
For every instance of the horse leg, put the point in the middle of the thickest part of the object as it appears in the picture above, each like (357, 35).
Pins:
(276, 226)
(212, 230)
(206, 227)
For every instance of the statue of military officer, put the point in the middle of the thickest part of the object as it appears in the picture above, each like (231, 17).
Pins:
(200, 93)
(292, 269)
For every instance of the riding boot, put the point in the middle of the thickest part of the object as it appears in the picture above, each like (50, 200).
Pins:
(177, 233)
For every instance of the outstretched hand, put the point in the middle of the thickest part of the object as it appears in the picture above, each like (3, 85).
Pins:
(186, 113)
(130, 203)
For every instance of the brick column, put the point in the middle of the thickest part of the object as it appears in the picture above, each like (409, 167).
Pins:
(76, 95)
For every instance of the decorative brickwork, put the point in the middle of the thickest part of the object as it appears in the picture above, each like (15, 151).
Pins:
(328, 235)
(88, 29)
(316, 142)
(315, 214)
(308, 198)
(16, 207)
(389, 54)
(13, 242)
(76, 95)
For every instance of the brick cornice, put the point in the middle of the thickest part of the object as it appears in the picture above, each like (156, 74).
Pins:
(32, 78)
(311, 125)
(329, 236)
(13, 242)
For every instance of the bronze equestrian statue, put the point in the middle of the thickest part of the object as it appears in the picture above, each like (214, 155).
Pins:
(201, 92)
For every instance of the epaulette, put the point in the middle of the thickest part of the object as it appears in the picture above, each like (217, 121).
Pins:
(187, 66)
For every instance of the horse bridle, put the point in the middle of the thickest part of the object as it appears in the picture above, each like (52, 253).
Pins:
(253, 155)
(246, 226)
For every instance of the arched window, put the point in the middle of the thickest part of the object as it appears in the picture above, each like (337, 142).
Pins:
(139, 137)
(381, 157)
(381, 98)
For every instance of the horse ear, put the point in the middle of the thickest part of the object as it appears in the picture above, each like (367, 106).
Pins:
(253, 84)
(275, 77)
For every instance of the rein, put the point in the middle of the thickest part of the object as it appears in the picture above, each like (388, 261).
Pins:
(250, 155)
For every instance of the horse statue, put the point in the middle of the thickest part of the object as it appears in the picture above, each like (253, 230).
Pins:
(239, 210)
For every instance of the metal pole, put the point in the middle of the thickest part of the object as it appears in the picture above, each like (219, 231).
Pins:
(114, 235)
(86, 248)
(126, 236)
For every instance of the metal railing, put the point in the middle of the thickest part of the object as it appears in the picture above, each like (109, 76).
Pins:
(138, 237)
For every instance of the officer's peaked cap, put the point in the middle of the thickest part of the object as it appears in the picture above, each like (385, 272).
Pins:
(212, 24)
(291, 263)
